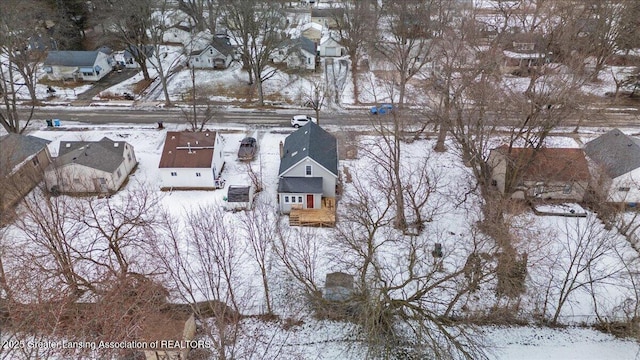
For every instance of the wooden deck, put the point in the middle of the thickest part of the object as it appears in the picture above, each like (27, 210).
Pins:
(323, 217)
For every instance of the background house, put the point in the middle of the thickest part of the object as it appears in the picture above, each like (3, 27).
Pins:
(308, 168)
(77, 65)
(192, 160)
(298, 53)
(523, 53)
(23, 159)
(90, 166)
(616, 166)
(327, 16)
(546, 173)
(126, 58)
(330, 47)
(217, 55)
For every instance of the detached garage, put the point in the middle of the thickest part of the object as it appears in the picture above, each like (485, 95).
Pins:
(331, 47)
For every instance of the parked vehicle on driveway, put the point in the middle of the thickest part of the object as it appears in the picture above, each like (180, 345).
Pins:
(381, 109)
(248, 149)
(302, 120)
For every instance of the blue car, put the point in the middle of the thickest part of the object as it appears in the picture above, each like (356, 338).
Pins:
(382, 109)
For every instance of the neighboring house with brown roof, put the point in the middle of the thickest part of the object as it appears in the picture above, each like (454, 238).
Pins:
(192, 160)
(23, 159)
(616, 166)
(546, 173)
(90, 166)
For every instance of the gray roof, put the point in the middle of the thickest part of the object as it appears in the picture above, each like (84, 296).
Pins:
(616, 152)
(72, 58)
(15, 148)
(105, 155)
(313, 141)
(306, 44)
(219, 43)
(298, 185)
(132, 51)
(237, 194)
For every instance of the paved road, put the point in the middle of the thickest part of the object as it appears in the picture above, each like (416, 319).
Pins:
(110, 115)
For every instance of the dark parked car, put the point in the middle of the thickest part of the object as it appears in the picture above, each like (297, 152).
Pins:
(381, 110)
(248, 148)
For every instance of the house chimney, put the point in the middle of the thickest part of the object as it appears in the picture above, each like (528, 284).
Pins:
(281, 149)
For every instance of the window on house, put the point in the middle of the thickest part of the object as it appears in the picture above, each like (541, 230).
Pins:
(307, 170)
(35, 161)
(293, 199)
(198, 174)
(300, 199)
(174, 173)
(494, 182)
(119, 173)
(129, 157)
(567, 189)
(624, 188)
(286, 199)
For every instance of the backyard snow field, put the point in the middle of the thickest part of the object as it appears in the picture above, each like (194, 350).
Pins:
(548, 241)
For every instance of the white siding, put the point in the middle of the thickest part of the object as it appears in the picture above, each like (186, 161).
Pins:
(629, 180)
(328, 179)
(187, 178)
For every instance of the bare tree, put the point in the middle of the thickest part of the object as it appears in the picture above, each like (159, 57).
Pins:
(205, 273)
(161, 21)
(316, 97)
(197, 117)
(393, 299)
(203, 14)
(129, 24)
(581, 263)
(255, 25)
(23, 48)
(355, 28)
(260, 227)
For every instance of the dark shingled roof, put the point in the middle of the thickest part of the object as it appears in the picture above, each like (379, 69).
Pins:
(306, 44)
(237, 194)
(616, 152)
(312, 141)
(297, 185)
(221, 44)
(15, 148)
(105, 155)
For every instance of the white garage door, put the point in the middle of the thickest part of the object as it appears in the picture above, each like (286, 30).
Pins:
(331, 51)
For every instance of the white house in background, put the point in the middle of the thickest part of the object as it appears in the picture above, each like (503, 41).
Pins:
(298, 53)
(126, 58)
(616, 166)
(308, 168)
(192, 160)
(331, 47)
(90, 166)
(77, 65)
(217, 55)
(312, 31)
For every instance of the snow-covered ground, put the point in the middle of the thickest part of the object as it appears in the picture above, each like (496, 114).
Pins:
(549, 241)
